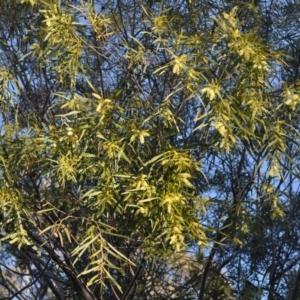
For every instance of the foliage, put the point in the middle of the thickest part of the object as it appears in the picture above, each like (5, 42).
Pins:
(136, 129)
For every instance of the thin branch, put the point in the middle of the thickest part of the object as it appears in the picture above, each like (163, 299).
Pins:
(35, 280)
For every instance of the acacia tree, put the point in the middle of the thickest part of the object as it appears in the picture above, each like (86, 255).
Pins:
(133, 129)
(262, 265)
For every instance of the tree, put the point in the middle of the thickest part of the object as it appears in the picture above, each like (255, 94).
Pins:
(134, 129)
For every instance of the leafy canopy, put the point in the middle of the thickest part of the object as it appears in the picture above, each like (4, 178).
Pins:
(116, 152)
